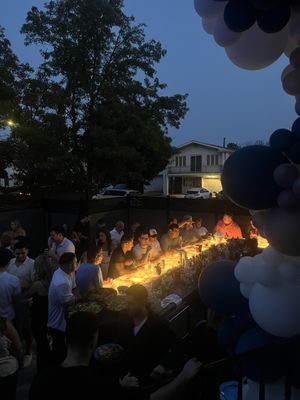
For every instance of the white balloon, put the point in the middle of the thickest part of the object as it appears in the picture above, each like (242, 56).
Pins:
(209, 25)
(223, 35)
(245, 289)
(257, 49)
(289, 270)
(272, 256)
(244, 271)
(266, 273)
(208, 8)
(276, 309)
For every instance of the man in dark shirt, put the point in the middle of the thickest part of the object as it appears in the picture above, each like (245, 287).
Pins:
(82, 228)
(121, 259)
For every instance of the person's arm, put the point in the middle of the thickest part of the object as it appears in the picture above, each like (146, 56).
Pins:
(120, 267)
(176, 387)
(12, 334)
(34, 288)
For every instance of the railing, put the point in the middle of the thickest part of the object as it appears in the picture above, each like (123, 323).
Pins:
(187, 170)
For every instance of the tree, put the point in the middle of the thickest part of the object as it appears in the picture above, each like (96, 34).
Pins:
(233, 146)
(94, 105)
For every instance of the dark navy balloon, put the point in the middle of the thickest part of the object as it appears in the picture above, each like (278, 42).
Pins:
(247, 177)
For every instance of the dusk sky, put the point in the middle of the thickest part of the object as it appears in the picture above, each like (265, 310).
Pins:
(224, 101)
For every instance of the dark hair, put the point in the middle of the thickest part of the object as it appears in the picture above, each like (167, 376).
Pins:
(92, 252)
(82, 328)
(127, 237)
(5, 257)
(138, 292)
(66, 259)
(143, 231)
(173, 226)
(108, 239)
(21, 245)
(59, 229)
(229, 213)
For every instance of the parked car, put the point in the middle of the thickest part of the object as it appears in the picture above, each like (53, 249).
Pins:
(198, 193)
(116, 193)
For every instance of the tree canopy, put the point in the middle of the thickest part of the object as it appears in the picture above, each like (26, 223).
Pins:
(94, 110)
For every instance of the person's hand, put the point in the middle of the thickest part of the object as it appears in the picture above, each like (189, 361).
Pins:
(129, 381)
(51, 254)
(158, 372)
(190, 369)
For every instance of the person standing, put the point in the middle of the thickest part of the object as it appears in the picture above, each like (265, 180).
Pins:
(58, 245)
(82, 229)
(117, 233)
(60, 296)
(22, 267)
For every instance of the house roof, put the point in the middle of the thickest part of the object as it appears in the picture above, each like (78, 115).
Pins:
(210, 146)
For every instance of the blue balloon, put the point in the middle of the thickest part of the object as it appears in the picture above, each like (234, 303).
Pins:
(282, 139)
(247, 177)
(231, 330)
(264, 4)
(294, 152)
(296, 127)
(266, 362)
(239, 15)
(271, 21)
(220, 290)
(285, 175)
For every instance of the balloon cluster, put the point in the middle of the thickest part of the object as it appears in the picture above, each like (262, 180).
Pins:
(266, 180)
(290, 77)
(254, 33)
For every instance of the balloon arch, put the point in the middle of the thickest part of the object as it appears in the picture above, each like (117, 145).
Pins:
(263, 293)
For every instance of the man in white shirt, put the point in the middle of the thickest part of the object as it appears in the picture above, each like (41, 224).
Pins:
(58, 245)
(60, 296)
(10, 288)
(22, 267)
(199, 230)
(117, 233)
(156, 251)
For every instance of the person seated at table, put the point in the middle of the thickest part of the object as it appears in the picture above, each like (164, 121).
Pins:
(228, 228)
(199, 230)
(121, 261)
(89, 275)
(252, 231)
(143, 251)
(152, 348)
(171, 240)
(186, 231)
(156, 251)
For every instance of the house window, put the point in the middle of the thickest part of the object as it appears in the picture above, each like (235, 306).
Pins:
(180, 161)
(196, 163)
(212, 159)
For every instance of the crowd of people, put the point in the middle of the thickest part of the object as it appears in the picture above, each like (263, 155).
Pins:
(35, 296)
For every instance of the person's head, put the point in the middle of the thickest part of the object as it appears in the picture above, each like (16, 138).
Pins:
(94, 254)
(227, 218)
(104, 237)
(120, 226)
(6, 239)
(172, 221)
(21, 251)
(188, 222)
(85, 219)
(143, 238)
(137, 299)
(152, 235)
(68, 262)
(57, 233)
(173, 231)
(198, 223)
(5, 257)
(82, 331)
(42, 268)
(15, 225)
(134, 227)
(126, 243)
(101, 223)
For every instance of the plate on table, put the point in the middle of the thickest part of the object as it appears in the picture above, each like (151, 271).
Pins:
(109, 353)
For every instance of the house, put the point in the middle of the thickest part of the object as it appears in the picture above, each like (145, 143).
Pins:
(195, 164)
